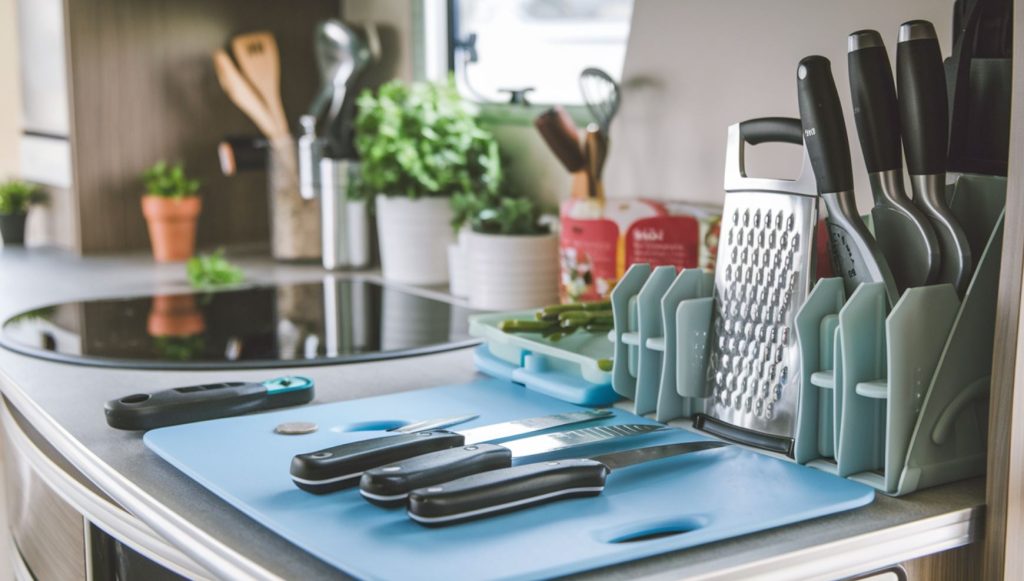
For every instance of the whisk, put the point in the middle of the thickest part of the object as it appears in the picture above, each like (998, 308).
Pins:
(602, 96)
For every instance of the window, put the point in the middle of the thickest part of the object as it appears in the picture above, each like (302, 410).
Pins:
(544, 44)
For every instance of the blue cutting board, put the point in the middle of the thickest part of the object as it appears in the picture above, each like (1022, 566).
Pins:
(703, 497)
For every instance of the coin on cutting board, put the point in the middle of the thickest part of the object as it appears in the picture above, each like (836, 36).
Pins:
(295, 428)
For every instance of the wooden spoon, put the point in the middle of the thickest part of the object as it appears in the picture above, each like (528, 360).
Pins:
(260, 61)
(244, 96)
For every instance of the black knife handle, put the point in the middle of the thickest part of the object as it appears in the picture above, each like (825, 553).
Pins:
(505, 490)
(772, 130)
(824, 127)
(875, 107)
(145, 411)
(921, 79)
(341, 466)
(390, 485)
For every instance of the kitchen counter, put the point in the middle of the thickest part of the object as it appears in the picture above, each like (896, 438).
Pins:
(54, 414)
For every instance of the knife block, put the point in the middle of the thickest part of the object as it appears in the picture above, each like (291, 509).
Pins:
(896, 400)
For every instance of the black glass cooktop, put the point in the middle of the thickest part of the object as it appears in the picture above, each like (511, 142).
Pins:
(334, 321)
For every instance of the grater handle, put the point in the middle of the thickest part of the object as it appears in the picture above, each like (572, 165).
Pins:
(824, 128)
(756, 132)
(772, 130)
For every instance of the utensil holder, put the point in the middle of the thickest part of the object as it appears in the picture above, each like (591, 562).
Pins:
(894, 399)
(344, 223)
(294, 221)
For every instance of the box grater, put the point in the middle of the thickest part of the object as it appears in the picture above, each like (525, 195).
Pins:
(764, 273)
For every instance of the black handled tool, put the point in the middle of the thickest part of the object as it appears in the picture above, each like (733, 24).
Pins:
(855, 256)
(341, 466)
(518, 487)
(390, 485)
(145, 411)
(904, 235)
(924, 118)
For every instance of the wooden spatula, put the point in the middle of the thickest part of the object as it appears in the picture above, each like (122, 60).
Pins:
(244, 96)
(259, 60)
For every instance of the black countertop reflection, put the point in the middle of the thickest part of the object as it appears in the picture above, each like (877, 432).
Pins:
(334, 321)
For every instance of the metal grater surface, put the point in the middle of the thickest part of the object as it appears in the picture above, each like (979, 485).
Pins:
(754, 368)
(763, 275)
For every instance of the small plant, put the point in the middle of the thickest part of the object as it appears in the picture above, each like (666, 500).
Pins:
(211, 270)
(423, 140)
(169, 181)
(179, 348)
(510, 216)
(498, 214)
(17, 195)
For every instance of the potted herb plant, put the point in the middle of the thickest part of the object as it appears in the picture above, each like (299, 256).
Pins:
(171, 206)
(419, 145)
(512, 254)
(15, 198)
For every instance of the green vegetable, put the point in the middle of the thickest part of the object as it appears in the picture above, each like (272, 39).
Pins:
(604, 364)
(179, 348)
(16, 196)
(169, 181)
(552, 312)
(522, 326)
(212, 270)
(423, 140)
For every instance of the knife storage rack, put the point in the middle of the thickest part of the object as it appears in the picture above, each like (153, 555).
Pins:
(894, 398)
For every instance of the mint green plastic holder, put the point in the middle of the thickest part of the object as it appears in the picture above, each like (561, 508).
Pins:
(893, 398)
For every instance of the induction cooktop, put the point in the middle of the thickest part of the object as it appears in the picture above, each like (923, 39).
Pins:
(338, 320)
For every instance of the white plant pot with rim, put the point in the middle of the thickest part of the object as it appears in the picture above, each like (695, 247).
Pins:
(414, 236)
(512, 271)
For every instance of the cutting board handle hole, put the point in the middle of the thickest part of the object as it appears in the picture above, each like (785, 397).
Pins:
(636, 533)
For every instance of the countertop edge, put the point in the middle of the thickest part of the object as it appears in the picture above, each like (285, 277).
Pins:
(192, 541)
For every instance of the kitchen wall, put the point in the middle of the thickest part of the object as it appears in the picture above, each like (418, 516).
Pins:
(143, 89)
(694, 67)
(10, 102)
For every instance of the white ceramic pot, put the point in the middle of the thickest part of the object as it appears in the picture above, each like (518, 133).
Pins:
(414, 237)
(512, 272)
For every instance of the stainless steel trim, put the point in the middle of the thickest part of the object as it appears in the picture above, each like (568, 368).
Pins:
(863, 39)
(113, 520)
(859, 553)
(916, 30)
(207, 551)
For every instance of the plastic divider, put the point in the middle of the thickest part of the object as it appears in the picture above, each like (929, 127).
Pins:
(626, 335)
(686, 319)
(649, 326)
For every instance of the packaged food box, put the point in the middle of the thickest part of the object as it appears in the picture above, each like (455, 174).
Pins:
(601, 238)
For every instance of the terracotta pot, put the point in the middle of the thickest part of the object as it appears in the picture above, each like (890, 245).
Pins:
(172, 226)
(175, 316)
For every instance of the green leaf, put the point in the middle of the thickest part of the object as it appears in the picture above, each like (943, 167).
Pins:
(17, 195)
(169, 181)
(211, 270)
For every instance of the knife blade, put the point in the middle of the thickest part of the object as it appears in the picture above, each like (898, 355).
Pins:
(924, 117)
(341, 466)
(903, 233)
(526, 485)
(854, 253)
(390, 485)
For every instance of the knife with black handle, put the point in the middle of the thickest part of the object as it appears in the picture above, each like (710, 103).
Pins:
(342, 466)
(390, 485)
(509, 489)
(855, 255)
(924, 117)
(903, 233)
